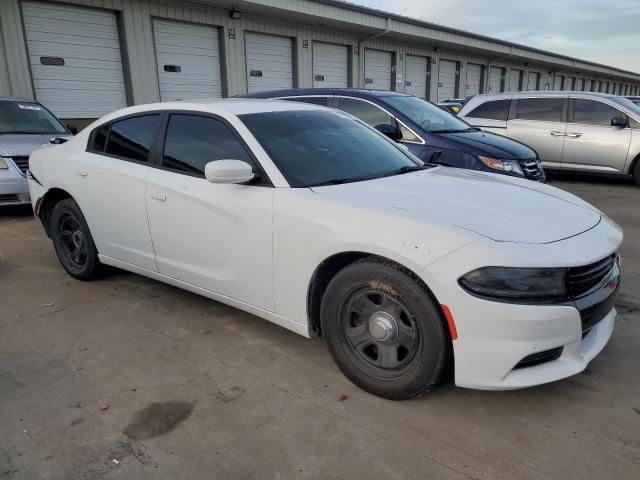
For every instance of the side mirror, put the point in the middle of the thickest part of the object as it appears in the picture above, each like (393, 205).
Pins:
(620, 121)
(390, 131)
(228, 171)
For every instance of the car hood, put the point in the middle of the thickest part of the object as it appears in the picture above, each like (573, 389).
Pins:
(492, 145)
(502, 208)
(21, 145)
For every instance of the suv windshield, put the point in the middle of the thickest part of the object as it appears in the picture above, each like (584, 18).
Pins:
(426, 115)
(629, 104)
(315, 147)
(28, 117)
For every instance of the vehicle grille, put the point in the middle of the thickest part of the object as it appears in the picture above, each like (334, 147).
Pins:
(582, 279)
(22, 163)
(532, 169)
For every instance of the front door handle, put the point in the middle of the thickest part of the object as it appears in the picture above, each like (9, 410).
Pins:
(82, 173)
(160, 196)
(574, 135)
(555, 133)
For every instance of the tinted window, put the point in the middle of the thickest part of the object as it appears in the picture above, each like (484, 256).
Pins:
(426, 115)
(323, 101)
(634, 124)
(193, 141)
(132, 138)
(100, 139)
(496, 110)
(315, 147)
(541, 109)
(368, 113)
(590, 112)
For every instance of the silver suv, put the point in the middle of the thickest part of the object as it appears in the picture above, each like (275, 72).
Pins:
(579, 131)
(24, 126)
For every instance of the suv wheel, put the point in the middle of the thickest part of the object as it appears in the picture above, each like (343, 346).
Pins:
(383, 330)
(72, 241)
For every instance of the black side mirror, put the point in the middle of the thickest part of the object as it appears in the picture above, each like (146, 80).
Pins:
(620, 121)
(72, 129)
(390, 131)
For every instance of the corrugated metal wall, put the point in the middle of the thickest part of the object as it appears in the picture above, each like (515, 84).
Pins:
(135, 17)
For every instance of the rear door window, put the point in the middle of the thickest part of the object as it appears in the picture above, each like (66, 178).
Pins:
(494, 110)
(192, 141)
(131, 139)
(540, 109)
(591, 112)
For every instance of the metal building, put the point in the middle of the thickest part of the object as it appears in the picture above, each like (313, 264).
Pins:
(84, 58)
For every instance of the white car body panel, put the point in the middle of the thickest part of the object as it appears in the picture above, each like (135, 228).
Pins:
(257, 248)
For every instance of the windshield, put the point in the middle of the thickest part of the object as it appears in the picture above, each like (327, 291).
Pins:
(428, 116)
(629, 104)
(322, 147)
(28, 117)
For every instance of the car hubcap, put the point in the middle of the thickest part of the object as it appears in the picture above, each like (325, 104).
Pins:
(73, 241)
(381, 334)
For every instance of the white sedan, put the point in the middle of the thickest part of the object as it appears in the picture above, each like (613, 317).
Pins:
(316, 222)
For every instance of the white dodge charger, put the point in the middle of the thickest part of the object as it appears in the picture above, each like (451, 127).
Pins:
(318, 223)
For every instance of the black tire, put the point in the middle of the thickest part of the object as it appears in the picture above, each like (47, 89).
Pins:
(636, 172)
(402, 343)
(72, 241)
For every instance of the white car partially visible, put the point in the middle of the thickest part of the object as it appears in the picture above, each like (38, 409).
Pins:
(314, 221)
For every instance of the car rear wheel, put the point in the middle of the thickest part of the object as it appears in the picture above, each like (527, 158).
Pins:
(383, 330)
(72, 241)
(636, 172)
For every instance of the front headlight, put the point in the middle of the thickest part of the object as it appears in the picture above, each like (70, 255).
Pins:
(3, 164)
(509, 166)
(509, 283)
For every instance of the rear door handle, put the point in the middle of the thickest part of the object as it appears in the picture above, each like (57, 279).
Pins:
(160, 196)
(555, 133)
(82, 173)
(574, 135)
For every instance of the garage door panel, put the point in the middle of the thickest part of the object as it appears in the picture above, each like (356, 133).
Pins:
(474, 79)
(515, 78)
(91, 81)
(495, 79)
(378, 69)
(447, 79)
(331, 63)
(272, 56)
(416, 75)
(195, 49)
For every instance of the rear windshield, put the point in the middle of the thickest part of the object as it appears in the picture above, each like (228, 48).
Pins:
(28, 117)
(320, 147)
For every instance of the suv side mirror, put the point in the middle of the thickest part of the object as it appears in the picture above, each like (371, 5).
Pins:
(390, 131)
(620, 121)
(228, 171)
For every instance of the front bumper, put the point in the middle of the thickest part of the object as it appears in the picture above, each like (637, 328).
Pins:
(13, 187)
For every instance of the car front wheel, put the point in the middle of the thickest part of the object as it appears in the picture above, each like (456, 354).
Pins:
(384, 330)
(72, 240)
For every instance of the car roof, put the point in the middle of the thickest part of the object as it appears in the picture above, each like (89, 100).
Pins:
(17, 99)
(550, 93)
(303, 92)
(233, 106)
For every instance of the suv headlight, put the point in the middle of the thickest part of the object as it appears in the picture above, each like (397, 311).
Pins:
(509, 166)
(509, 283)
(3, 164)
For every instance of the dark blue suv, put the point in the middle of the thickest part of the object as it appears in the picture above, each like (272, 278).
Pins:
(430, 133)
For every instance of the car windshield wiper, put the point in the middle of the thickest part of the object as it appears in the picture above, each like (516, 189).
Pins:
(407, 169)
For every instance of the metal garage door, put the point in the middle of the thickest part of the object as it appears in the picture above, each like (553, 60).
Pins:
(417, 76)
(495, 79)
(188, 58)
(330, 65)
(378, 68)
(557, 82)
(269, 62)
(447, 79)
(568, 83)
(75, 59)
(515, 80)
(533, 82)
(473, 84)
